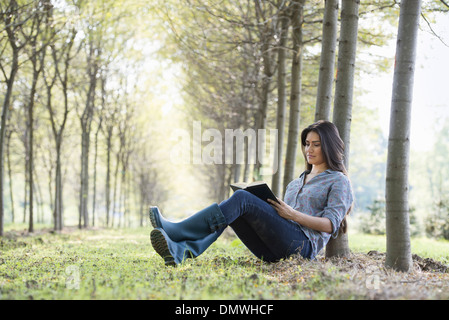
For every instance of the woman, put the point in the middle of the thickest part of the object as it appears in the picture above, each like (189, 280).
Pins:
(313, 210)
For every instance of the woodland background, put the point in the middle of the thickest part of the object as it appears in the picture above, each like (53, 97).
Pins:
(94, 90)
(95, 96)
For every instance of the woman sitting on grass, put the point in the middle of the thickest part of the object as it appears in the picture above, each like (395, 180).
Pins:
(314, 208)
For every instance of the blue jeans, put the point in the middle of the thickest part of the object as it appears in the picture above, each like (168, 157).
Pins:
(266, 234)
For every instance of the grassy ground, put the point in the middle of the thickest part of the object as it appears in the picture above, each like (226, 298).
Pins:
(121, 264)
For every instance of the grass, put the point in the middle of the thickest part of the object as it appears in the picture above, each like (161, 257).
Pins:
(424, 247)
(121, 264)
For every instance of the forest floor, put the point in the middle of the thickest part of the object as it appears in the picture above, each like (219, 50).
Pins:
(121, 264)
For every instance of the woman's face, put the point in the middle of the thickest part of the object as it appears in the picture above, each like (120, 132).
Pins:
(313, 150)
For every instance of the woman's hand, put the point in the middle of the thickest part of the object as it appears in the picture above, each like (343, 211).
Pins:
(284, 210)
(321, 224)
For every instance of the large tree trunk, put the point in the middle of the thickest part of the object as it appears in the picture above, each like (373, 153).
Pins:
(342, 115)
(327, 62)
(295, 93)
(396, 191)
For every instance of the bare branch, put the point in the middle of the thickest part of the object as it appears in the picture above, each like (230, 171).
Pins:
(431, 29)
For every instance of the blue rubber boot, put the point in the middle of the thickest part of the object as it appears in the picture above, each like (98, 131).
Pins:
(174, 252)
(194, 227)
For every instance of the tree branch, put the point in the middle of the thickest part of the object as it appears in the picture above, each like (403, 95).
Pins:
(431, 29)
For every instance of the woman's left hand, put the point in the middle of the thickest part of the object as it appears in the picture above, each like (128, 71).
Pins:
(321, 224)
(283, 209)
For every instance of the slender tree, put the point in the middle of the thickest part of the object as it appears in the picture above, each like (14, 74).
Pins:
(38, 39)
(61, 55)
(342, 115)
(327, 61)
(12, 19)
(295, 91)
(344, 87)
(396, 191)
(280, 119)
(267, 29)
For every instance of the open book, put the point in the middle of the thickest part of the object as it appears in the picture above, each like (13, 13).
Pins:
(258, 188)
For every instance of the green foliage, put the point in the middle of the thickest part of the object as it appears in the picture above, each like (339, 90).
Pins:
(373, 222)
(437, 223)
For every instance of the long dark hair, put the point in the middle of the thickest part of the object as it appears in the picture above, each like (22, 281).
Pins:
(332, 148)
(331, 145)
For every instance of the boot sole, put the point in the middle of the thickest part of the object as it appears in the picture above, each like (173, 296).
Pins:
(160, 245)
(152, 217)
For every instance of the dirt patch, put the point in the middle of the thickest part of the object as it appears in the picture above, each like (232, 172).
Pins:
(430, 265)
(364, 276)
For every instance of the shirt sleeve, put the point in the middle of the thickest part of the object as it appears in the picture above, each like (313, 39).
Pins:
(339, 201)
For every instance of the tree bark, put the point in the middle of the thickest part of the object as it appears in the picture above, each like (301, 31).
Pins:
(266, 36)
(39, 42)
(8, 159)
(86, 124)
(7, 99)
(66, 57)
(327, 61)
(95, 174)
(295, 93)
(342, 115)
(280, 120)
(108, 173)
(30, 150)
(396, 191)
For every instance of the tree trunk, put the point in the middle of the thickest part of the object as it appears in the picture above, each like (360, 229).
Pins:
(396, 191)
(114, 198)
(84, 193)
(108, 174)
(58, 188)
(295, 94)
(30, 150)
(142, 199)
(38, 41)
(26, 184)
(266, 36)
(8, 159)
(95, 174)
(5, 111)
(342, 114)
(86, 122)
(327, 62)
(280, 120)
(58, 132)
(261, 123)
